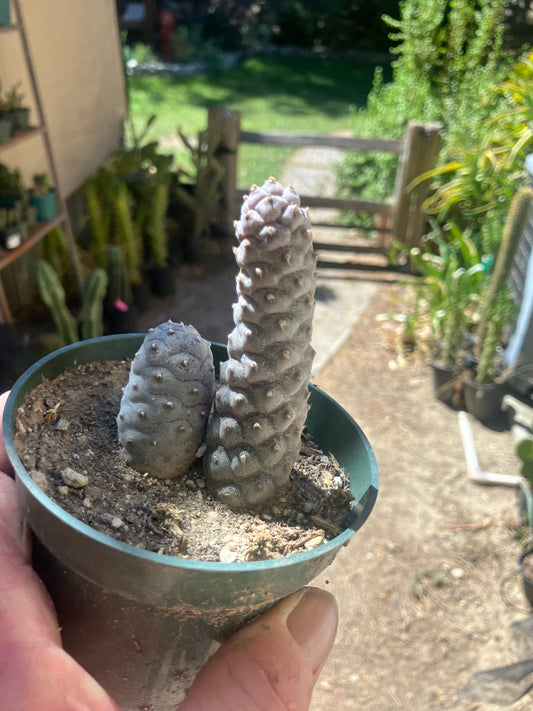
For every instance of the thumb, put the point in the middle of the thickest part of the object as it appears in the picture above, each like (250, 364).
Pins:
(274, 662)
(5, 465)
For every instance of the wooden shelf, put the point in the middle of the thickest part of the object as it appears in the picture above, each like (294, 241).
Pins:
(7, 257)
(9, 28)
(20, 138)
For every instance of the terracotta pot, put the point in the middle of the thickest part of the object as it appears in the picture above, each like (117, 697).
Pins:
(143, 623)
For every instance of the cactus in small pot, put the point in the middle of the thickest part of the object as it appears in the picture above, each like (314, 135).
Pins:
(254, 433)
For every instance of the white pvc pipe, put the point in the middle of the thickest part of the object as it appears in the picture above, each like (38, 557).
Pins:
(472, 464)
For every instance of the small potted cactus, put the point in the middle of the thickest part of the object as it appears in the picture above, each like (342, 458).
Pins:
(143, 622)
(20, 114)
(43, 198)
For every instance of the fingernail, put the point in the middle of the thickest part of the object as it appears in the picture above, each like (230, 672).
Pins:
(313, 624)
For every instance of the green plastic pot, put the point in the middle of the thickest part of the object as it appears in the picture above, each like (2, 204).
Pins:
(46, 206)
(142, 623)
(5, 14)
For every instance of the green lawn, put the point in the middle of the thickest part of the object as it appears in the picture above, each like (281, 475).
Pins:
(271, 93)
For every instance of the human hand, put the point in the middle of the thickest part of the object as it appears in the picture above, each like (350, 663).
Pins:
(271, 664)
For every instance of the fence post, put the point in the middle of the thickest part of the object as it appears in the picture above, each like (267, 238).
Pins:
(223, 131)
(421, 146)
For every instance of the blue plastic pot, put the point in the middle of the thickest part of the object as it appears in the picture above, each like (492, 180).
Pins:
(143, 623)
(46, 206)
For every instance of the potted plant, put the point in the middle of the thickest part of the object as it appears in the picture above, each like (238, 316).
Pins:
(11, 186)
(20, 114)
(43, 198)
(484, 392)
(91, 313)
(141, 621)
(113, 223)
(450, 275)
(6, 121)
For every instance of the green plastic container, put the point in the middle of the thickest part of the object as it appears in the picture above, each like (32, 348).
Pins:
(46, 206)
(5, 14)
(142, 623)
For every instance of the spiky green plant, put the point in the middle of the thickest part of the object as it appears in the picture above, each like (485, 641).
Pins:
(119, 285)
(53, 295)
(94, 291)
(156, 226)
(127, 235)
(99, 220)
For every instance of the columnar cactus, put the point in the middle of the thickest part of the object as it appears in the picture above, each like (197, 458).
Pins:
(53, 295)
(253, 436)
(94, 290)
(165, 405)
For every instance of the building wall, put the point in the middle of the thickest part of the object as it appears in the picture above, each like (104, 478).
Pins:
(77, 61)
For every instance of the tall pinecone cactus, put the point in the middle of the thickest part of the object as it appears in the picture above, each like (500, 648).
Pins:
(254, 433)
(165, 405)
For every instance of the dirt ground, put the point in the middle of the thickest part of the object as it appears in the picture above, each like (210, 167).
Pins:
(419, 585)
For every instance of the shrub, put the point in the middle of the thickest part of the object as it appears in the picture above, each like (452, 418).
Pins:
(449, 58)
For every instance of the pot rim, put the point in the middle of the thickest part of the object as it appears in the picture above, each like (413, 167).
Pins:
(364, 505)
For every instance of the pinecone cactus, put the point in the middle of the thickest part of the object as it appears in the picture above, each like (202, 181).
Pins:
(166, 403)
(253, 436)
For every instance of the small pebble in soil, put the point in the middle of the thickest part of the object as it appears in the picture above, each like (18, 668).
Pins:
(40, 479)
(75, 479)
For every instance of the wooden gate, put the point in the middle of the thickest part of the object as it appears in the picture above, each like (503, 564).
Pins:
(401, 218)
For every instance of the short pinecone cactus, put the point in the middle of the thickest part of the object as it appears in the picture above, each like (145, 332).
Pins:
(253, 436)
(166, 403)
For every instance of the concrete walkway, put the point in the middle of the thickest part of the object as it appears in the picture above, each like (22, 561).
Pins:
(340, 298)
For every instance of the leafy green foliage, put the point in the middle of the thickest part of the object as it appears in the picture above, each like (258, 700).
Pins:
(524, 451)
(449, 60)
(450, 279)
(498, 308)
(337, 24)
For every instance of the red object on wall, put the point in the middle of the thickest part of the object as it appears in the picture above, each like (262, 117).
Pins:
(166, 32)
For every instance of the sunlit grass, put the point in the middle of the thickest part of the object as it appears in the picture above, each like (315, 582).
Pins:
(271, 93)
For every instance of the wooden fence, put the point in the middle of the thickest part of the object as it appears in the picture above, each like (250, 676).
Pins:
(401, 217)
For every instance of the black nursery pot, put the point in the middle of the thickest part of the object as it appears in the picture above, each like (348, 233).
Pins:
(527, 581)
(484, 400)
(162, 281)
(143, 623)
(445, 379)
